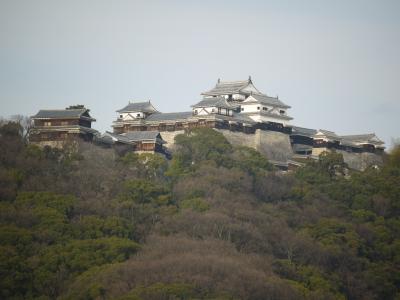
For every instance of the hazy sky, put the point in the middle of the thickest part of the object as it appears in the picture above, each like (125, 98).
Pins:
(337, 63)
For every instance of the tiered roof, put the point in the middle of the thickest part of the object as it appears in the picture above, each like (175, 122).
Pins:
(217, 102)
(266, 113)
(230, 88)
(266, 100)
(139, 106)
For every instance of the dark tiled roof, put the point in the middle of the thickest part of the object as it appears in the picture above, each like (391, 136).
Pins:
(60, 114)
(303, 131)
(236, 118)
(169, 116)
(137, 136)
(266, 100)
(215, 101)
(243, 118)
(228, 87)
(268, 114)
(138, 106)
(328, 134)
(132, 137)
(108, 137)
(362, 138)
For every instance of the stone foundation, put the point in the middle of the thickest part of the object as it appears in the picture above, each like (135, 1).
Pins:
(360, 161)
(274, 145)
(277, 148)
(169, 137)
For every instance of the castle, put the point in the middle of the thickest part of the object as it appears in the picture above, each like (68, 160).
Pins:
(238, 109)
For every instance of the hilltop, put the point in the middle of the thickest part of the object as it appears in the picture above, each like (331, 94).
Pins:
(217, 221)
(245, 115)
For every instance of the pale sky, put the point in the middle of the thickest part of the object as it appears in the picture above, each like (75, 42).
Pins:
(337, 63)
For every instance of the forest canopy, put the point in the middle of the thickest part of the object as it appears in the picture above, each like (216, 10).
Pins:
(215, 222)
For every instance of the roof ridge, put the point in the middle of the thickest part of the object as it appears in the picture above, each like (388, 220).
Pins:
(371, 133)
(58, 109)
(233, 82)
(263, 95)
(140, 101)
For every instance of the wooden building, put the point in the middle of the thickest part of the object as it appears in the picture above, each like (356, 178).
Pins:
(136, 141)
(364, 142)
(55, 127)
(325, 140)
(302, 140)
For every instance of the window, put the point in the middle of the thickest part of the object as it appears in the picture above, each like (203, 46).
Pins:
(195, 111)
(282, 112)
(264, 108)
(121, 116)
(212, 110)
(258, 107)
(137, 115)
(63, 123)
(242, 108)
(47, 123)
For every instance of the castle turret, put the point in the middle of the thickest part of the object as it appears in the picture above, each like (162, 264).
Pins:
(56, 126)
(132, 114)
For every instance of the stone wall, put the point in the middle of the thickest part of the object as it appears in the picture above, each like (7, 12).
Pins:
(274, 145)
(360, 161)
(169, 137)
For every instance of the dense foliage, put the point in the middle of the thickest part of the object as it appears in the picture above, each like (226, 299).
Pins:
(215, 222)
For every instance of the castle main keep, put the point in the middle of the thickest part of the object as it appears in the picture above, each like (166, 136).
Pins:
(231, 105)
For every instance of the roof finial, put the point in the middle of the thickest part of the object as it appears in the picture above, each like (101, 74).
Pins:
(277, 96)
(249, 78)
(219, 80)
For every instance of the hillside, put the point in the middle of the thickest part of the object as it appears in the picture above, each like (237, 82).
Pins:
(215, 222)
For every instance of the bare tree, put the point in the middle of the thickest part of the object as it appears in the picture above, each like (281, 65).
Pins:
(25, 122)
